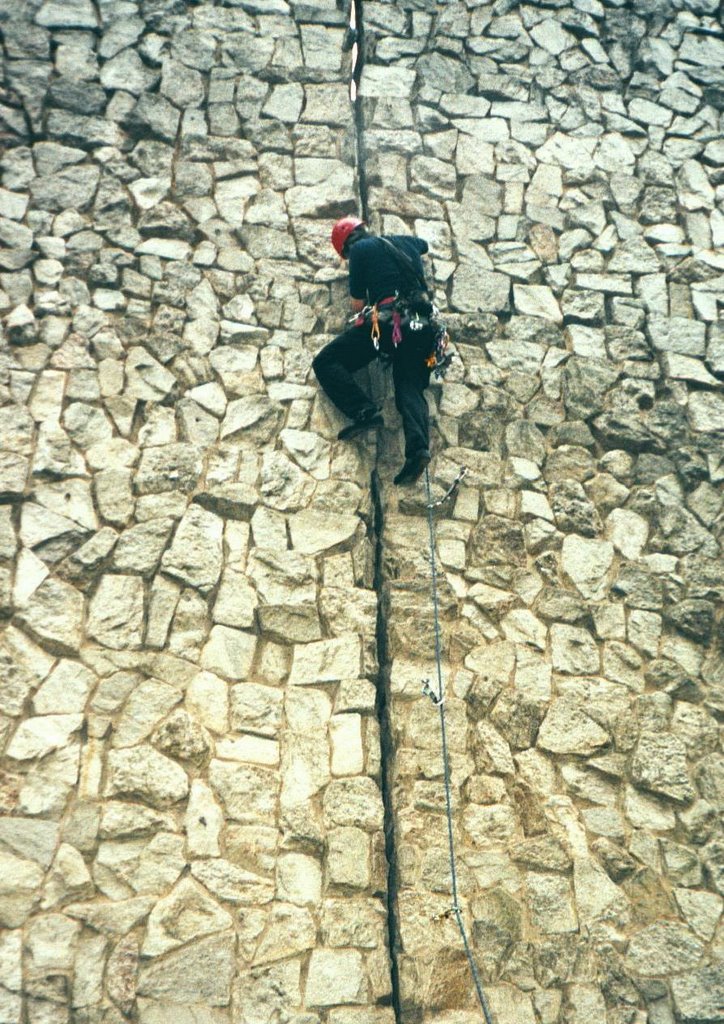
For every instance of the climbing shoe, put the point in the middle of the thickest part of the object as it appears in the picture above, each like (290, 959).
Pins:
(414, 467)
(366, 420)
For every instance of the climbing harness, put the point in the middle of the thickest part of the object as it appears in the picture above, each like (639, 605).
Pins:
(402, 315)
(437, 696)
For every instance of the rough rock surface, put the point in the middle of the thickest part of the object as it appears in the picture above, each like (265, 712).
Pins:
(202, 594)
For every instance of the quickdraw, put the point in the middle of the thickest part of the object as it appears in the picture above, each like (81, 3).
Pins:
(375, 332)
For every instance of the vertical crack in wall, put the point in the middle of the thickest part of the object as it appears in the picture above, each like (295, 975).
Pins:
(387, 752)
(383, 677)
(357, 27)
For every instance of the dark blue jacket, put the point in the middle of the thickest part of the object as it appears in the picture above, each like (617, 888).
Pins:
(374, 273)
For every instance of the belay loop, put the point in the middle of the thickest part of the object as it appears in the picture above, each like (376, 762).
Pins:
(437, 696)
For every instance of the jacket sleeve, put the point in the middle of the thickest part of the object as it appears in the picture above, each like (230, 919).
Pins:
(357, 285)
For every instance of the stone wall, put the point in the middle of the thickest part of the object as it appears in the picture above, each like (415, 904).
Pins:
(565, 163)
(216, 618)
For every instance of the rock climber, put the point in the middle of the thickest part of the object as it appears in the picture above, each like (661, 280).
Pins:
(392, 320)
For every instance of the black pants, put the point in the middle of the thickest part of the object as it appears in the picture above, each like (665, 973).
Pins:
(353, 349)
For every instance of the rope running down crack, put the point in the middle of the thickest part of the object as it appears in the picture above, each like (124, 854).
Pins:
(438, 699)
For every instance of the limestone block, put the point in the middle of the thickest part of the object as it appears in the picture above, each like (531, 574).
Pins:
(495, 821)
(314, 532)
(141, 771)
(254, 749)
(286, 585)
(236, 601)
(597, 897)
(702, 910)
(232, 883)
(284, 485)
(247, 793)
(290, 931)
(345, 733)
(537, 300)
(184, 977)
(11, 973)
(153, 1011)
(360, 923)
(187, 913)
(255, 709)
(229, 652)
(573, 650)
(37, 737)
(475, 290)
(551, 903)
(356, 802)
(335, 976)
(496, 751)
(305, 762)
(54, 615)
(522, 626)
(706, 411)
(509, 1004)
(149, 702)
(567, 729)
(628, 532)
(326, 661)
(309, 450)
(348, 858)
(51, 943)
(139, 548)
(659, 764)
(204, 821)
(68, 878)
(163, 600)
(65, 690)
(168, 467)
(663, 949)
(266, 992)
(588, 564)
(115, 613)
(299, 878)
(28, 837)
(255, 417)
(698, 994)
(113, 918)
(207, 698)
(647, 812)
(20, 881)
(196, 556)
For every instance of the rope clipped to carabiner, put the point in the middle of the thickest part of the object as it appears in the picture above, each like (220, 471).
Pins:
(450, 491)
(438, 699)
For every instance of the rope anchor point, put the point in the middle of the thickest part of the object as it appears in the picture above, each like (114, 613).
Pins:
(450, 491)
(427, 690)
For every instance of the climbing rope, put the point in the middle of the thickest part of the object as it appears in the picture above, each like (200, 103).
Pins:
(438, 699)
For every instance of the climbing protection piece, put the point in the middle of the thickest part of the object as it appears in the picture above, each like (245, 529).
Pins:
(437, 696)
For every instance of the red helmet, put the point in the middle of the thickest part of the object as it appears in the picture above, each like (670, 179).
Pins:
(342, 230)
